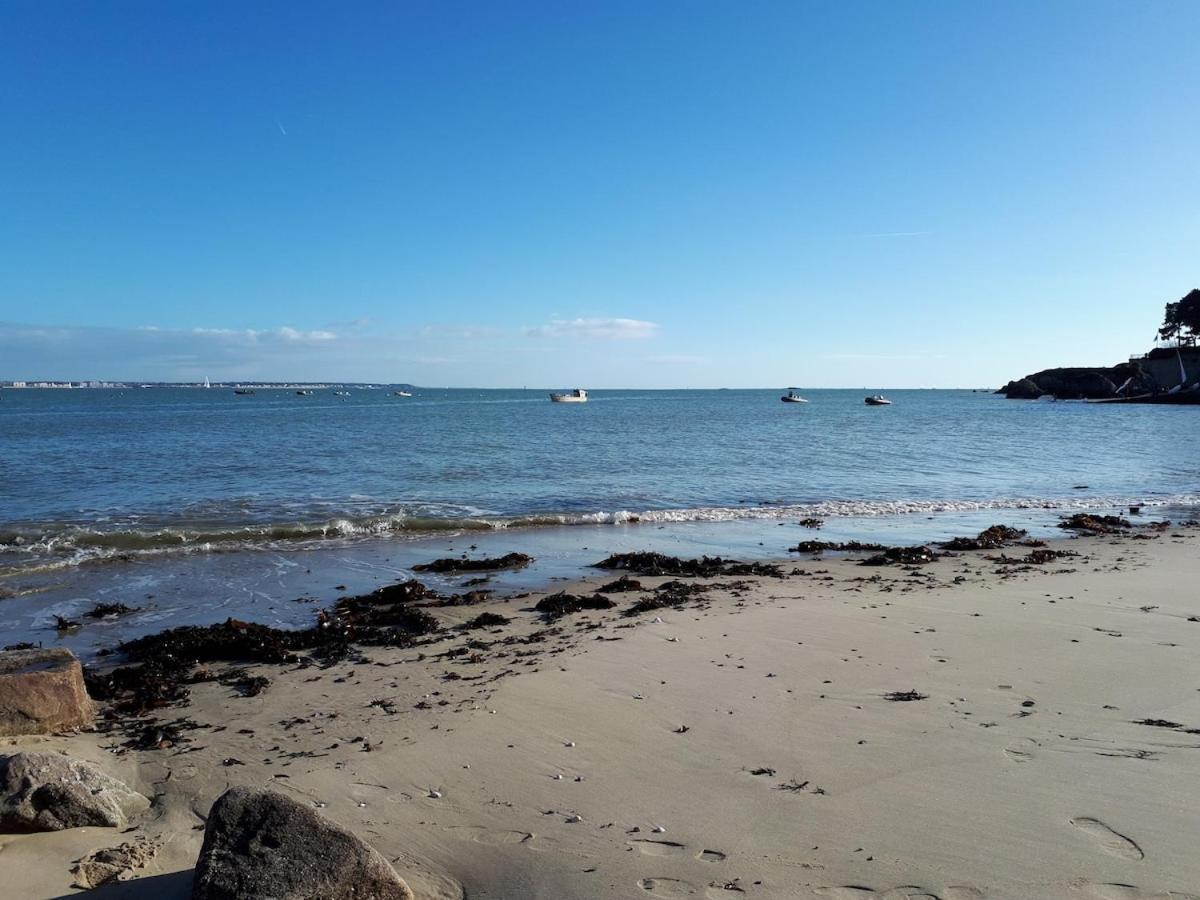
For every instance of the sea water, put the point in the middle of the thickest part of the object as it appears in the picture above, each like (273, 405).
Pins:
(195, 504)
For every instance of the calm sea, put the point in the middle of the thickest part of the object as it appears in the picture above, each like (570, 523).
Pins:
(99, 488)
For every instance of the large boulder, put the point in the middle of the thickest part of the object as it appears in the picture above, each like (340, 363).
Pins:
(261, 845)
(51, 792)
(42, 691)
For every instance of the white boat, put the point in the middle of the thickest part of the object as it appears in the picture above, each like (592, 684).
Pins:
(878, 400)
(206, 384)
(579, 395)
(401, 394)
(303, 393)
(792, 397)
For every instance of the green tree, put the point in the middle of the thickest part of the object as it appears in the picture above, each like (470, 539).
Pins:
(1182, 319)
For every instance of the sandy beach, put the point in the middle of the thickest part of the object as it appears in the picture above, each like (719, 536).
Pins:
(744, 744)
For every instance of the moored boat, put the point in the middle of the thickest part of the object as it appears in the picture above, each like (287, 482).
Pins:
(792, 397)
(243, 391)
(579, 395)
(878, 400)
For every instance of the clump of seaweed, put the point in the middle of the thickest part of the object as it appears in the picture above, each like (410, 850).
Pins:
(844, 547)
(992, 538)
(563, 604)
(646, 563)
(903, 556)
(905, 696)
(452, 565)
(485, 620)
(1093, 524)
(622, 585)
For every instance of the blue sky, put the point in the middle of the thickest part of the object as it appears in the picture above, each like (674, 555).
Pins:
(609, 194)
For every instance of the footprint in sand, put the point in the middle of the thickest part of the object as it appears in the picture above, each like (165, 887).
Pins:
(659, 848)
(711, 856)
(1132, 892)
(667, 887)
(1022, 749)
(1113, 842)
(493, 837)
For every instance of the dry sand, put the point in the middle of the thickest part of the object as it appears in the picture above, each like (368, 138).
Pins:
(740, 748)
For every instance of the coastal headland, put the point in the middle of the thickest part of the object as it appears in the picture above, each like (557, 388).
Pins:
(996, 718)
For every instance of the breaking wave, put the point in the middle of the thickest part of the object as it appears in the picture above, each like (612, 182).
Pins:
(45, 548)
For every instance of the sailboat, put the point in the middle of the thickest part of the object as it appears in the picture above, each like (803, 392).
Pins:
(206, 384)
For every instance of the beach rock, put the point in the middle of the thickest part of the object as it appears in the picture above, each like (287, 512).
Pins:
(259, 844)
(51, 792)
(42, 691)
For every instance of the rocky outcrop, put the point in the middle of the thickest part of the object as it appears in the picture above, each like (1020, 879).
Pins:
(42, 691)
(1093, 383)
(259, 844)
(51, 792)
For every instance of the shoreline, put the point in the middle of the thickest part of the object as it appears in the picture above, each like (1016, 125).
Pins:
(280, 588)
(968, 792)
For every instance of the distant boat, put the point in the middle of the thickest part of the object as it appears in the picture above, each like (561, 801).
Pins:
(401, 394)
(878, 400)
(206, 384)
(341, 393)
(303, 393)
(243, 391)
(579, 395)
(792, 397)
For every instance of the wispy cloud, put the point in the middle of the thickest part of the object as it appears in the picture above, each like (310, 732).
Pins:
(596, 328)
(894, 356)
(152, 352)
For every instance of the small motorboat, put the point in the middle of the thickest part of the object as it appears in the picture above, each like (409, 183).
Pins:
(579, 395)
(878, 400)
(242, 392)
(792, 397)
(303, 393)
(401, 394)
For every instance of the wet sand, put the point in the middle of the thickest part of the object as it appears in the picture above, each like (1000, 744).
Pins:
(742, 746)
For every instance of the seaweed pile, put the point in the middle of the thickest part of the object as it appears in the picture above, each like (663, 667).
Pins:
(847, 547)
(162, 665)
(673, 595)
(1032, 558)
(563, 604)
(992, 538)
(646, 563)
(452, 565)
(622, 585)
(1092, 524)
(903, 556)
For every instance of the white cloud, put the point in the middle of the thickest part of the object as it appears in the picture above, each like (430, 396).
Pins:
(596, 328)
